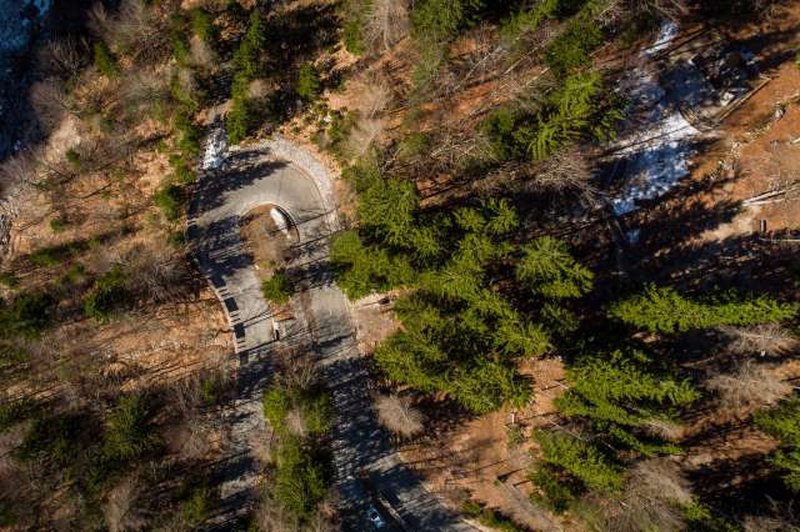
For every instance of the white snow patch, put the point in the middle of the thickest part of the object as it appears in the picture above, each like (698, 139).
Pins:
(216, 149)
(667, 34)
(280, 220)
(657, 156)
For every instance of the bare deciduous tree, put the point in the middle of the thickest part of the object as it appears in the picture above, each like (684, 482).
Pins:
(120, 508)
(50, 102)
(765, 340)
(134, 28)
(64, 58)
(653, 494)
(397, 415)
(387, 23)
(750, 387)
(566, 173)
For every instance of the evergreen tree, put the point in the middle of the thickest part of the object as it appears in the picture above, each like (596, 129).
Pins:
(783, 423)
(548, 269)
(621, 393)
(581, 459)
(665, 310)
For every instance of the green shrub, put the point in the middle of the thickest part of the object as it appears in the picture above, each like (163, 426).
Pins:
(203, 25)
(9, 280)
(197, 509)
(309, 85)
(181, 49)
(58, 225)
(278, 289)
(300, 478)
(620, 393)
(663, 309)
(183, 172)
(169, 199)
(188, 134)
(490, 517)
(12, 412)
(128, 434)
(353, 36)
(104, 60)
(28, 315)
(57, 437)
(109, 293)
(528, 20)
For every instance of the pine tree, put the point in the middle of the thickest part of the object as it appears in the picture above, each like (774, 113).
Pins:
(548, 269)
(581, 459)
(665, 310)
(620, 393)
(783, 423)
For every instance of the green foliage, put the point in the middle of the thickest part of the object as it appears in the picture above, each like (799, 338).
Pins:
(783, 423)
(9, 280)
(548, 269)
(246, 59)
(104, 60)
(442, 349)
(572, 50)
(581, 459)
(362, 269)
(558, 490)
(203, 25)
(238, 121)
(128, 434)
(621, 393)
(309, 84)
(491, 518)
(109, 293)
(188, 134)
(438, 21)
(28, 314)
(527, 21)
(169, 198)
(433, 24)
(663, 309)
(55, 255)
(12, 412)
(577, 109)
(57, 225)
(301, 475)
(353, 35)
(56, 437)
(278, 289)
(196, 509)
(180, 48)
(300, 479)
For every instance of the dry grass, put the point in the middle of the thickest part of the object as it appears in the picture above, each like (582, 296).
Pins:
(397, 415)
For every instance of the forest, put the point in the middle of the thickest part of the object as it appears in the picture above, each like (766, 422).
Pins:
(543, 360)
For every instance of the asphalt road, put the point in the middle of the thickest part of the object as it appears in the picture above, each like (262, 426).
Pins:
(280, 173)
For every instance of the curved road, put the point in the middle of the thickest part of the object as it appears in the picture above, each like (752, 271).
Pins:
(280, 173)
